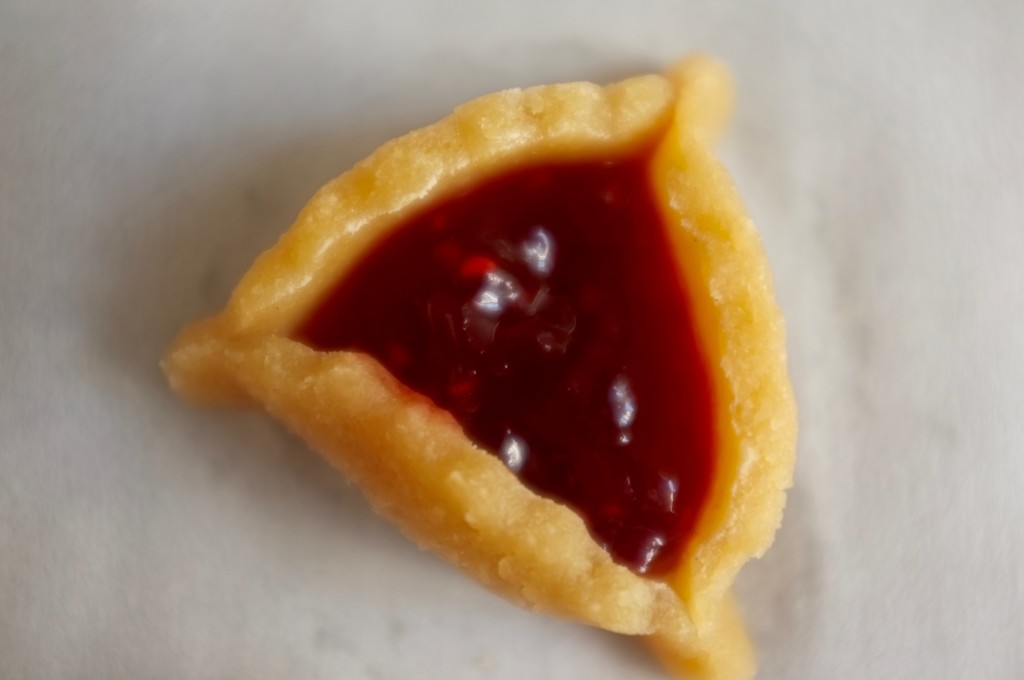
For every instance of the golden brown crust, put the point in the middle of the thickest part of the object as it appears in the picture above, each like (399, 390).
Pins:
(413, 462)
(480, 138)
(740, 323)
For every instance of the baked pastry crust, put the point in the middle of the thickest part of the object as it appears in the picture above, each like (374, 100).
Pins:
(413, 461)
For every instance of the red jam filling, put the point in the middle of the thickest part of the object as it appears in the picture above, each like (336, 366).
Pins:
(543, 309)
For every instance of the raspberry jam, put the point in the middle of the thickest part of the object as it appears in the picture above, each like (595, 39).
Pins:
(543, 309)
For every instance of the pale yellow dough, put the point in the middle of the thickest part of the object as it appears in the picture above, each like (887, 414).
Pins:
(412, 460)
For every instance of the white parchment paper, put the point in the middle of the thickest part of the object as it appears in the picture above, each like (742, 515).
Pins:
(150, 150)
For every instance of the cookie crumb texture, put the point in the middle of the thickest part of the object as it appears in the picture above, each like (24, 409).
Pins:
(414, 460)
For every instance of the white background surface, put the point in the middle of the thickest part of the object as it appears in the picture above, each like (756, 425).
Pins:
(149, 150)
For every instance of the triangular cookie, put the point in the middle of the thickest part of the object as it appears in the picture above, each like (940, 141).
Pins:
(414, 461)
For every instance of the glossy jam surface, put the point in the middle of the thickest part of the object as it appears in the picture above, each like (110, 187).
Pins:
(543, 309)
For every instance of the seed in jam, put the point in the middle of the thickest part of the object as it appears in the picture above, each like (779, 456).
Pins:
(544, 311)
